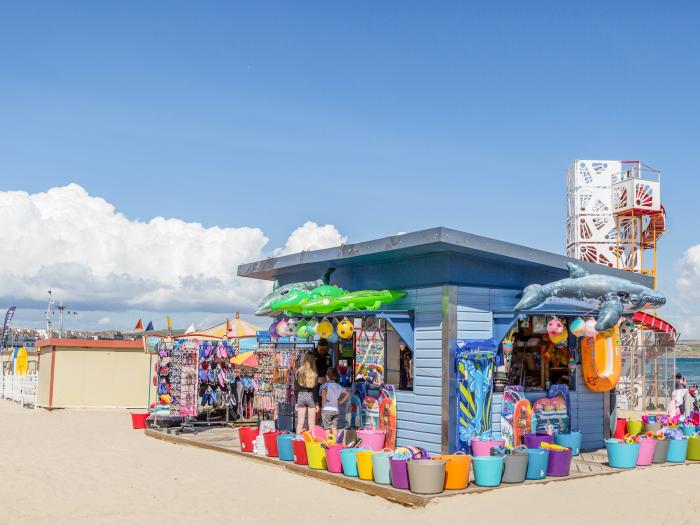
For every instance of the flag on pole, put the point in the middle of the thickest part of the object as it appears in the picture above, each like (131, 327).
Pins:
(8, 318)
(149, 328)
(170, 325)
(139, 326)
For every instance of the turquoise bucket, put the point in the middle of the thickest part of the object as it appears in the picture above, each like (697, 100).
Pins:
(622, 455)
(488, 470)
(348, 457)
(537, 459)
(284, 447)
(677, 450)
(571, 440)
(688, 431)
(381, 468)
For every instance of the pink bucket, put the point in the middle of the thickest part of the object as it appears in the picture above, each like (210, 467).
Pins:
(333, 458)
(483, 448)
(372, 439)
(646, 452)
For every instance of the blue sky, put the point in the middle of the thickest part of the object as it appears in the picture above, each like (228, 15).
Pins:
(373, 117)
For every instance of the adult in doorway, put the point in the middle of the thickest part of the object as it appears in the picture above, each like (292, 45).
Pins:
(307, 397)
(324, 361)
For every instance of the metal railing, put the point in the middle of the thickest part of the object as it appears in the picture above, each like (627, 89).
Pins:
(21, 389)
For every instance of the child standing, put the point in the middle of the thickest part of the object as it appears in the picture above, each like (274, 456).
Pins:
(332, 396)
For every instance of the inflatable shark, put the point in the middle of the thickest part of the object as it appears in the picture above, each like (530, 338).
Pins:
(614, 294)
(279, 292)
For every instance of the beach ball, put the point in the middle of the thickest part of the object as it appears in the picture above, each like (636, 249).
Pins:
(302, 330)
(589, 328)
(554, 329)
(559, 338)
(345, 329)
(281, 328)
(626, 327)
(312, 327)
(291, 327)
(324, 329)
(577, 327)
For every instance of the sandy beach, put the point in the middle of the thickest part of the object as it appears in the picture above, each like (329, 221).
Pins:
(71, 466)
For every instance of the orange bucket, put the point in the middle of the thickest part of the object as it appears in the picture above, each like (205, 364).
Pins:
(456, 470)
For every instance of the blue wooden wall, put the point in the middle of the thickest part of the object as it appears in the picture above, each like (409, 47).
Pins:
(419, 420)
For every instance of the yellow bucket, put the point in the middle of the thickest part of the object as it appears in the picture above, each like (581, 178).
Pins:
(364, 465)
(315, 455)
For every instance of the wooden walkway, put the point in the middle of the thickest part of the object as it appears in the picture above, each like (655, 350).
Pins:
(225, 440)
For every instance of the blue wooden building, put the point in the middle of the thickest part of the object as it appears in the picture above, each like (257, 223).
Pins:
(460, 286)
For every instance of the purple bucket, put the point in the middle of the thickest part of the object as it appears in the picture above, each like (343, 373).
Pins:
(534, 440)
(559, 463)
(399, 473)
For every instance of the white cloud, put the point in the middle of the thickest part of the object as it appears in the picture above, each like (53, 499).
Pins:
(104, 321)
(95, 258)
(311, 236)
(688, 286)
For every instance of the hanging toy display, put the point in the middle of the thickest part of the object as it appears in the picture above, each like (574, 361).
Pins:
(345, 328)
(273, 329)
(577, 327)
(556, 331)
(589, 328)
(312, 327)
(303, 330)
(626, 327)
(281, 328)
(291, 327)
(325, 328)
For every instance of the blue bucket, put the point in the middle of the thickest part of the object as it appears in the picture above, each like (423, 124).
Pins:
(348, 457)
(688, 431)
(571, 440)
(488, 470)
(537, 459)
(677, 450)
(622, 455)
(284, 447)
(381, 468)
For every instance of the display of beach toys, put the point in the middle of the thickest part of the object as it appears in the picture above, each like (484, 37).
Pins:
(426, 476)
(371, 438)
(247, 436)
(284, 447)
(537, 459)
(570, 440)
(488, 470)
(457, 467)
(481, 446)
(534, 440)
(621, 454)
(515, 465)
(348, 458)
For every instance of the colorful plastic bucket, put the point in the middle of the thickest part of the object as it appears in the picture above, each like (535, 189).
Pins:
(534, 440)
(348, 457)
(457, 467)
(138, 420)
(571, 440)
(488, 470)
(647, 446)
(515, 467)
(381, 468)
(271, 443)
(284, 447)
(652, 427)
(559, 463)
(620, 428)
(660, 451)
(688, 431)
(299, 448)
(426, 476)
(483, 448)
(634, 427)
(333, 458)
(622, 455)
(677, 450)
(537, 459)
(315, 455)
(399, 473)
(247, 436)
(364, 465)
(693, 448)
(372, 439)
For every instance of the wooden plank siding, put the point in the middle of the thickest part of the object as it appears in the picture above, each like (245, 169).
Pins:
(418, 420)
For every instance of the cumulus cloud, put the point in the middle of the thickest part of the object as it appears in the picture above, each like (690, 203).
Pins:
(88, 253)
(688, 286)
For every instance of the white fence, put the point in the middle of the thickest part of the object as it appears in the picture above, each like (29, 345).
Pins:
(20, 388)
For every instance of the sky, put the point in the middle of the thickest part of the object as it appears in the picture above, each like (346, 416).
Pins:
(146, 149)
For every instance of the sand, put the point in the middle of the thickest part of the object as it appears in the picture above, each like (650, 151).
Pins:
(71, 466)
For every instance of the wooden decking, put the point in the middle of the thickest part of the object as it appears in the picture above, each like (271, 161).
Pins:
(226, 440)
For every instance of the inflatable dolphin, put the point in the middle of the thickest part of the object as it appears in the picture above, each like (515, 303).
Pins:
(614, 293)
(278, 292)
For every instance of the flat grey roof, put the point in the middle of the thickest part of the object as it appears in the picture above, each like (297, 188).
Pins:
(430, 241)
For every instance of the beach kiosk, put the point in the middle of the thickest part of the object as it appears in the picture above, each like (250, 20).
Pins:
(461, 290)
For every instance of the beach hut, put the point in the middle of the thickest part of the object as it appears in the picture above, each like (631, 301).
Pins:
(459, 288)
